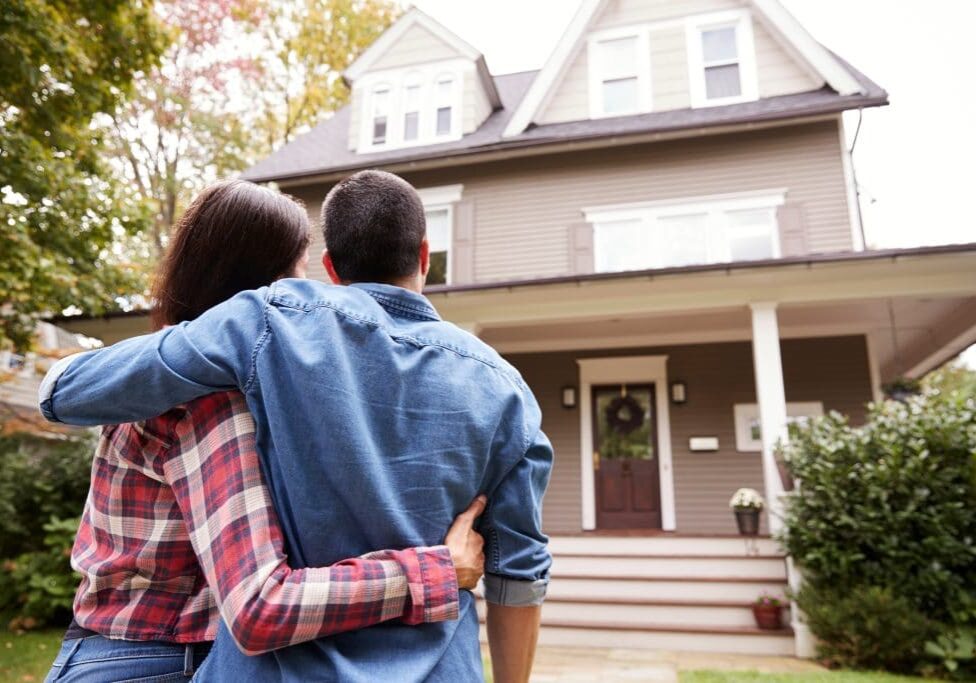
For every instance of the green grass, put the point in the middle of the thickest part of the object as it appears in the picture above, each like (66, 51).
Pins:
(815, 677)
(26, 657)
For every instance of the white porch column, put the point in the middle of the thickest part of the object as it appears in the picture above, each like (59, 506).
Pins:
(771, 396)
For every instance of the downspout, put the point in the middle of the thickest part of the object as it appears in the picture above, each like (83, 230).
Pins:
(857, 187)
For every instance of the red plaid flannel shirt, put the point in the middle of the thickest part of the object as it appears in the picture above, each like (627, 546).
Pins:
(179, 529)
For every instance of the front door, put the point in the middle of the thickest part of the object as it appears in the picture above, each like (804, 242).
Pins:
(628, 494)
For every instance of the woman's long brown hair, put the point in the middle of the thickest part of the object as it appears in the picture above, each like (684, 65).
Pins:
(235, 236)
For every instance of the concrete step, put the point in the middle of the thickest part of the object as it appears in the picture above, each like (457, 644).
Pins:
(674, 588)
(667, 637)
(762, 546)
(688, 567)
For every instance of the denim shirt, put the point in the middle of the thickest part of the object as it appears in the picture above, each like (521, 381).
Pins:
(377, 423)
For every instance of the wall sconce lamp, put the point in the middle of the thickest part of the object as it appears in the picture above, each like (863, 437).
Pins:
(679, 393)
(569, 397)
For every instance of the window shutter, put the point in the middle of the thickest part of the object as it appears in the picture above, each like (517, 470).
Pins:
(581, 248)
(463, 246)
(792, 235)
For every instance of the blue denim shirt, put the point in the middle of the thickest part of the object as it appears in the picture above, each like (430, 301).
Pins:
(377, 424)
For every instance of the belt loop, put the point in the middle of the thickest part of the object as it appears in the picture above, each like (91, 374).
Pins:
(67, 660)
(188, 660)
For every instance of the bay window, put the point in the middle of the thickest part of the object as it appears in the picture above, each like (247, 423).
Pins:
(444, 106)
(381, 107)
(411, 112)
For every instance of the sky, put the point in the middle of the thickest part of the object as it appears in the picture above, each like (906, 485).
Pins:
(914, 159)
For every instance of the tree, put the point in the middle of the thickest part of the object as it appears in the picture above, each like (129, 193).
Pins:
(309, 43)
(240, 78)
(954, 376)
(61, 213)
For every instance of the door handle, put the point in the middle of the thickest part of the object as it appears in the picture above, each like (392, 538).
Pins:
(596, 460)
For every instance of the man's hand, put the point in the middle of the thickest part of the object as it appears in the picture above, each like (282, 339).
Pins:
(467, 545)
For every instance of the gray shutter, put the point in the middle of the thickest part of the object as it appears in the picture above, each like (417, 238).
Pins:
(462, 256)
(581, 248)
(792, 235)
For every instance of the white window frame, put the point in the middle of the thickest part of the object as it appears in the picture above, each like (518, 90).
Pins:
(412, 80)
(741, 20)
(397, 80)
(642, 70)
(440, 198)
(436, 105)
(390, 97)
(748, 413)
(648, 212)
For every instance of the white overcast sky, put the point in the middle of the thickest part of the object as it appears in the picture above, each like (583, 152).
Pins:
(914, 159)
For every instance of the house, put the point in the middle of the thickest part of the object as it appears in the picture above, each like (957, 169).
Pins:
(660, 230)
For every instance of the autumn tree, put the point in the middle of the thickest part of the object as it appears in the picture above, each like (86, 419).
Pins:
(61, 212)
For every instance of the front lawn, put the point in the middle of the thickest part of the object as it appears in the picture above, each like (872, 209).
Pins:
(26, 657)
(815, 677)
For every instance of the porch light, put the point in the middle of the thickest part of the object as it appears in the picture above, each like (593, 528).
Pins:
(569, 397)
(679, 393)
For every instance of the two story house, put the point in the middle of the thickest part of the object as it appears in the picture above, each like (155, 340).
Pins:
(660, 230)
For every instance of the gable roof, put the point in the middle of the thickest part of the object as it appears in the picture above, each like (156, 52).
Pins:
(415, 17)
(324, 150)
(783, 25)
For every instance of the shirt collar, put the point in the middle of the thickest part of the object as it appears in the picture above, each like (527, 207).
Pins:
(398, 300)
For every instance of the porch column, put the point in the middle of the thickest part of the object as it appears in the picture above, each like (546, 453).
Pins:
(771, 396)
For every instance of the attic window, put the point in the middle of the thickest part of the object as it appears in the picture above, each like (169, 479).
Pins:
(619, 71)
(381, 107)
(411, 112)
(721, 59)
(444, 104)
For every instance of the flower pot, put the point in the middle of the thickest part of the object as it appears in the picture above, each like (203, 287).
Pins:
(747, 520)
(768, 617)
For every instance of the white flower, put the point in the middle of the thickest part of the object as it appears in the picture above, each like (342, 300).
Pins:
(747, 499)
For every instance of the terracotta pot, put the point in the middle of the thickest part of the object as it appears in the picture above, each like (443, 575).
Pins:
(768, 617)
(747, 520)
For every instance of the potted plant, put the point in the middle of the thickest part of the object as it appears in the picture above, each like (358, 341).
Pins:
(768, 611)
(747, 504)
(902, 388)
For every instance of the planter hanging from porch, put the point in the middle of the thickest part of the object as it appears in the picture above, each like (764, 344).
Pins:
(747, 504)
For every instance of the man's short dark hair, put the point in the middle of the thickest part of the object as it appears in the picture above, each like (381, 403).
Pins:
(374, 223)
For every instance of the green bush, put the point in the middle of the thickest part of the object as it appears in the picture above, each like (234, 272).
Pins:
(43, 486)
(885, 517)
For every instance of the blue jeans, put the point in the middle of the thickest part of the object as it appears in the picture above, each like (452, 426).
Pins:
(97, 659)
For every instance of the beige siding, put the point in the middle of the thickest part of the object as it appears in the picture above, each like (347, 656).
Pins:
(416, 46)
(778, 72)
(526, 210)
(834, 371)
(475, 105)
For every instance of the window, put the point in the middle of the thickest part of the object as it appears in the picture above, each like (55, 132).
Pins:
(439, 238)
(444, 104)
(748, 430)
(669, 235)
(411, 113)
(619, 62)
(721, 57)
(381, 104)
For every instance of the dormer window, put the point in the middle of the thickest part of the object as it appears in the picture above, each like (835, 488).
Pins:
(619, 65)
(445, 106)
(411, 112)
(421, 105)
(721, 59)
(381, 109)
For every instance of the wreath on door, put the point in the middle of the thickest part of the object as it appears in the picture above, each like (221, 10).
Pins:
(624, 415)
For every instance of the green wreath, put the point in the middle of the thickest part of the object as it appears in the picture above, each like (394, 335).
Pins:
(624, 415)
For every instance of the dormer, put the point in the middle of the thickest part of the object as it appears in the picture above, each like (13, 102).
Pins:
(627, 57)
(418, 84)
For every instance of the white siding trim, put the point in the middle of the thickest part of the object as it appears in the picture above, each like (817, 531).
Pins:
(874, 366)
(442, 194)
(629, 370)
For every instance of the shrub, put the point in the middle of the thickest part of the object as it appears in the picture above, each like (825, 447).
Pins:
(885, 516)
(43, 486)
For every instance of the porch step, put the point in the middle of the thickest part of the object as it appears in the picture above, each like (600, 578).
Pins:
(665, 566)
(707, 546)
(673, 588)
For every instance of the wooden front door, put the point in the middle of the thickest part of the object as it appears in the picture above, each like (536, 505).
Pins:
(625, 458)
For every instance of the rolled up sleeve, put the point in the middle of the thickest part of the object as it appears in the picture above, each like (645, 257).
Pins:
(517, 557)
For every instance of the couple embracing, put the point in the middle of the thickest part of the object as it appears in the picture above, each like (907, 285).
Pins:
(285, 457)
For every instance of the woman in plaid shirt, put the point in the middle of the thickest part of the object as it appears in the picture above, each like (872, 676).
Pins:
(179, 529)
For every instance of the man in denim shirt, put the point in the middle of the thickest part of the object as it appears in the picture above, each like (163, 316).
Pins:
(377, 424)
